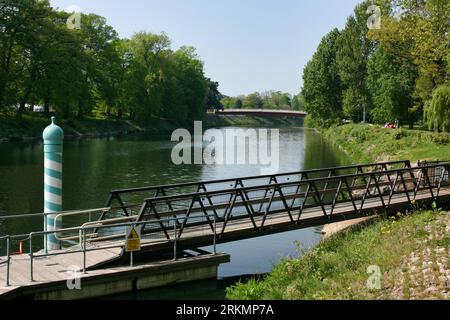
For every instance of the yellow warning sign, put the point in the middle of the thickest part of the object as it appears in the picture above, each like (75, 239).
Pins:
(133, 242)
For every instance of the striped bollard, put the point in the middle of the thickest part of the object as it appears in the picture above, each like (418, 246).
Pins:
(53, 155)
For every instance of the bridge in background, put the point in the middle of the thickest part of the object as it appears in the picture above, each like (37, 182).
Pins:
(261, 113)
(179, 220)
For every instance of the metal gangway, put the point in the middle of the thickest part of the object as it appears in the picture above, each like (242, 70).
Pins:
(189, 216)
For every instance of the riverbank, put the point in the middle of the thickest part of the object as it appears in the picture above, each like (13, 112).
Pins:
(411, 252)
(366, 143)
(30, 127)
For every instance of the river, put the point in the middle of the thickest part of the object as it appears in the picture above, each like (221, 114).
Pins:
(93, 167)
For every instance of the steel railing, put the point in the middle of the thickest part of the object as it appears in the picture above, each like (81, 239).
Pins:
(83, 248)
(205, 186)
(263, 201)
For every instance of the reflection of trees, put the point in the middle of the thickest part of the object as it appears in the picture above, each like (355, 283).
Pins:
(321, 154)
(108, 164)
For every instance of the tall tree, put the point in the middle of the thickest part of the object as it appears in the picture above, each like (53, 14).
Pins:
(214, 95)
(253, 101)
(437, 111)
(322, 84)
(353, 53)
(418, 33)
(391, 82)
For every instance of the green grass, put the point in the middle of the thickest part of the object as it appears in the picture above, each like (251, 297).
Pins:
(365, 143)
(244, 121)
(337, 268)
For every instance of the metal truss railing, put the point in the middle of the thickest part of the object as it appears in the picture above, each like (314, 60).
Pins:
(295, 198)
(126, 199)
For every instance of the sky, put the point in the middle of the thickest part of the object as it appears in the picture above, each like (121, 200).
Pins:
(246, 45)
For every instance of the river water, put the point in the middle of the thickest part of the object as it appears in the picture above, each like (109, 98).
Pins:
(93, 167)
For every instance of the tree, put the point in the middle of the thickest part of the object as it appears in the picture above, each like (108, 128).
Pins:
(419, 33)
(79, 71)
(297, 102)
(253, 101)
(102, 65)
(353, 54)
(239, 103)
(21, 25)
(322, 84)
(437, 111)
(194, 84)
(280, 101)
(391, 82)
(214, 95)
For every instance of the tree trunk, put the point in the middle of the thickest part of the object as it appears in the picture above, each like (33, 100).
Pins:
(47, 102)
(27, 93)
(21, 110)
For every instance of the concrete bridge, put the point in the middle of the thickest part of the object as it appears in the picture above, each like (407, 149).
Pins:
(262, 113)
(176, 221)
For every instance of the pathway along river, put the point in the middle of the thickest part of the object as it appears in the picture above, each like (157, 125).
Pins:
(94, 167)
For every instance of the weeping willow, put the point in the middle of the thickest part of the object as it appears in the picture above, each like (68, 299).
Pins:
(437, 111)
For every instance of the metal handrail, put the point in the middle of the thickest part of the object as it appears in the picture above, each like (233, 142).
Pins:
(83, 248)
(69, 212)
(290, 184)
(163, 189)
(94, 225)
(188, 184)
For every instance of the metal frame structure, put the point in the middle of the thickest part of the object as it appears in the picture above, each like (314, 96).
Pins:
(205, 186)
(292, 200)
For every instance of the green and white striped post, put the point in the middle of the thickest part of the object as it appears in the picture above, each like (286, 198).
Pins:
(53, 158)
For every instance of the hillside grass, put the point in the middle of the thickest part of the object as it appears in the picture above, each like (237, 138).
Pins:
(337, 269)
(365, 143)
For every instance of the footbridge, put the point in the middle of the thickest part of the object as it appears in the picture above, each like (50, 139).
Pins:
(180, 220)
(262, 113)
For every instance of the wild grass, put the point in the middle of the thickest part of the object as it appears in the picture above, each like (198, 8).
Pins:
(337, 268)
(365, 143)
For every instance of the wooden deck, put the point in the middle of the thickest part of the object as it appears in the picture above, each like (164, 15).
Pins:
(51, 277)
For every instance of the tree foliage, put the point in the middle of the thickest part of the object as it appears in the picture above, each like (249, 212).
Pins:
(391, 82)
(437, 112)
(268, 100)
(391, 72)
(322, 87)
(80, 71)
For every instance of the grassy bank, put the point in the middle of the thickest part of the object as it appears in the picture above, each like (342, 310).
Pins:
(244, 121)
(364, 143)
(31, 127)
(411, 251)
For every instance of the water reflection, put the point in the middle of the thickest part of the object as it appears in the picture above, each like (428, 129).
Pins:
(94, 167)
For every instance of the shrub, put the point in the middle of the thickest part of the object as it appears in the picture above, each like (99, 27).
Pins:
(440, 138)
(400, 134)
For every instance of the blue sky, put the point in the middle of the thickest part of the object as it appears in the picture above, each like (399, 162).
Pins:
(247, 45)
